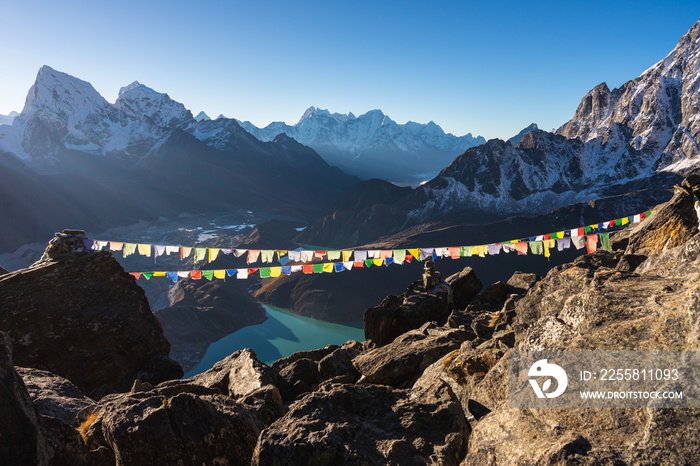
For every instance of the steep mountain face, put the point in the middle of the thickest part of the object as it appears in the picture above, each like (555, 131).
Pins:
(652, 119)
(643, 135)
(647, 127)
(73, 157)
(373, 145)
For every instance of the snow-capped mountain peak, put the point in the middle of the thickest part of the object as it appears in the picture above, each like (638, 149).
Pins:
(55, 93)
(201, 116)
(131, 86)
(372, 144)
(138, 101)
(647, 129)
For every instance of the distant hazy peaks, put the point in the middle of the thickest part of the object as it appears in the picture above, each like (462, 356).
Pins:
(201, 116)
(314, 113)
(8, 119)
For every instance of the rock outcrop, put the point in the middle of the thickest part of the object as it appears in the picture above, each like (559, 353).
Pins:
(399, 314)
(21, 439)
(62, 409)
(595, 304)
(368, 424)
(82, 317)
(178, 424)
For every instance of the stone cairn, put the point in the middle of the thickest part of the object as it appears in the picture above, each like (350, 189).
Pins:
(65, 244)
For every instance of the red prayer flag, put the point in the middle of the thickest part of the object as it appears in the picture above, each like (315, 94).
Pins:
(643, 215)
(196, 275)
(252, 271)
(360, 264)
(592, 243)
(409, 258)
(548, 236)
(308, 269)
(136, 275)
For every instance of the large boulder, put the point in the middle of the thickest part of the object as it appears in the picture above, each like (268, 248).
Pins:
(465, 286)
(314, 355)
(406, 357)
(21, 439)
(55, 396)
(368, 424)
(298, 378)
(82, 317)
(673, 224)
(237, 375)
(62, 408)
(398, 314)
(177, 423)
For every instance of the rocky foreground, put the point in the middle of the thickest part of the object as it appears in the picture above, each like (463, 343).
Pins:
(428, 386)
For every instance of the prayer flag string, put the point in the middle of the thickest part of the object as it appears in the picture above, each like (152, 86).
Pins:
(538, 245)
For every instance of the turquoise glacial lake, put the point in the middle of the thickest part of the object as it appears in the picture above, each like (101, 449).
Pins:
(282, 334)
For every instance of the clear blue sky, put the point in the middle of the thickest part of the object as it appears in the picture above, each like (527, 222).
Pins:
(488, 68)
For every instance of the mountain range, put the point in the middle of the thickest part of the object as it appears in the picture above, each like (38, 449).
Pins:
(373, 145)
(72, 158)
(643, 135)
(146, 155)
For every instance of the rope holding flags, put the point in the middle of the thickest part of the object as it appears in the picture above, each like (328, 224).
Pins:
(538, 245)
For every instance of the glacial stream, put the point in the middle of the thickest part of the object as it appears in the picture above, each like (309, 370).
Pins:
(282, 334)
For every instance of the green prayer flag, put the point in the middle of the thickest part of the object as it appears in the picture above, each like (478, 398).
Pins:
(147, 276)
(605, 241)
(318, 268)
(536, 247)
(208, 274)
(200, 254)
(368, 262)
(586, 229)
(467, 251)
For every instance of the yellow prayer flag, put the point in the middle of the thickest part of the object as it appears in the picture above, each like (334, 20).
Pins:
(328, 267)
(480, 251)
(213, 252)
(414, 252)
(346, 255)
(560, 234)
(378, 262)
(220, 274)
(280, 254)
(275, 271)
(625, 220)
(159, 274)
(145, 250)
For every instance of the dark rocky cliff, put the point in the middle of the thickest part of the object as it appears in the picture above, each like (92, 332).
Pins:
(82, 317)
